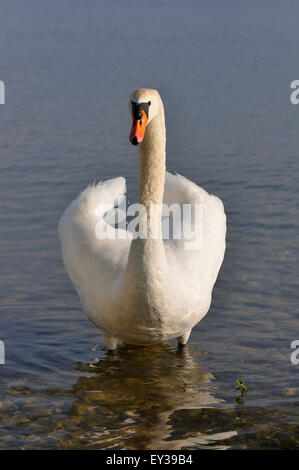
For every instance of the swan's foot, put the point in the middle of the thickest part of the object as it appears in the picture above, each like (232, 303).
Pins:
(182, 340)
(111, 342)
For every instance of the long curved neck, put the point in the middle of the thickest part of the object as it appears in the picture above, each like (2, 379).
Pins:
(147, 259)
(152, 156)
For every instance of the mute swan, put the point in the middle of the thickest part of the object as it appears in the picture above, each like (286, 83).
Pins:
(144, 290)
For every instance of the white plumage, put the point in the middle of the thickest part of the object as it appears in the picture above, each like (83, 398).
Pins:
(143, 291)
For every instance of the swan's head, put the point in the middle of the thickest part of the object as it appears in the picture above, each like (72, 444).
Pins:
(144, 105)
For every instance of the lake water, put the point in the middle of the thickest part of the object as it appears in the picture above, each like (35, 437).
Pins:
(224, 71)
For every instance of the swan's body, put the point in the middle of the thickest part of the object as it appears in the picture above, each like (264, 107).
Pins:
(144, 290)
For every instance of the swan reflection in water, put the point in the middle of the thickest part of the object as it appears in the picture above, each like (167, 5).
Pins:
(144, 398)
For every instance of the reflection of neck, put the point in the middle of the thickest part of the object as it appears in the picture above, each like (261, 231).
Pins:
(152, 156)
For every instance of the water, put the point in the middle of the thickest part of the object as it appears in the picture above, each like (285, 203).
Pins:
(223, 70)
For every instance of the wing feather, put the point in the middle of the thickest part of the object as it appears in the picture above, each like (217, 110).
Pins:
(200, 265)
(94, 265)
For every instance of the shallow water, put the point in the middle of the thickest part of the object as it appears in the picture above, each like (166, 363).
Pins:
(224, 73)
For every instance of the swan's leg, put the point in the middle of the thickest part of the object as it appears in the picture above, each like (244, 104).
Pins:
(182, 340)
(111, 342)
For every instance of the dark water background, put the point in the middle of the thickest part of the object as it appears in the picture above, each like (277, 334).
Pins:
(224, 70)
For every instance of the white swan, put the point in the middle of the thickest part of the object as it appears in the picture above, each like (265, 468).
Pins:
(143, 290)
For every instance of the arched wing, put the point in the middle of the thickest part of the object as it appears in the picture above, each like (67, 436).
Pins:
(94, 264)
(198, 253)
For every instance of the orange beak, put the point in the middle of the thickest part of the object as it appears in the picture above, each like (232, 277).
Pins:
(138, 129)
